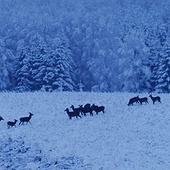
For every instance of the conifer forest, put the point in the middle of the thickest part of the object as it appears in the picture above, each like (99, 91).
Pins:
(98, 45)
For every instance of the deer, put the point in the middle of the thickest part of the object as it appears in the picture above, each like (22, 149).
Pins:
(86, 109)
(25, 119)
(72, 114)
(98, 109)
(87, 105)
(11, 124)
(77, 110)
(1, 118)
(143, 100)
(133, 100)
(154, 99)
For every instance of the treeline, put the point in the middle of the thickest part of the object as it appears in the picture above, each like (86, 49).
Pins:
(95, 45)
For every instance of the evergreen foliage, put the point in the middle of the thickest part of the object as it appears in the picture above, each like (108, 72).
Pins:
(108, 45)
(6, 69)
(163, 84)
(44, 65)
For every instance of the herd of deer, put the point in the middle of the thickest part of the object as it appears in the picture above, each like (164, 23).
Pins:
(90, 108)
(143, 100)
(83, 110)
(22, 120)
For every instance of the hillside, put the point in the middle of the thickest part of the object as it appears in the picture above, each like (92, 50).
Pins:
(124, 138)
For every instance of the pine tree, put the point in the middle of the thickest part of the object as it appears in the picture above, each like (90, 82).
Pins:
(157, 41)
(134, 72)
(22, 71)
(80, 86)
(154, 65)
(59, 74)
(6, 67)
(164, 71)
(29, 65)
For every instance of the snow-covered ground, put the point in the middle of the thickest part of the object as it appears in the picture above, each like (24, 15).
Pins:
(124, 138)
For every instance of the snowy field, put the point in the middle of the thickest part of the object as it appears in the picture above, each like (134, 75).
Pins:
(124, 138)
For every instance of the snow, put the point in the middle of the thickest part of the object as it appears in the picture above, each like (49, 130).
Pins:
(123, 138)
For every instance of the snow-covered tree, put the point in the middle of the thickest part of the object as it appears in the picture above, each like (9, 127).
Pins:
(59, 72)
(80, 86)
(109, 42)
(6, 67)
(164, 71)
(22, 71)
(29, 65)
(133, 59)
(44, 63)
(157, 41)
(39, 50)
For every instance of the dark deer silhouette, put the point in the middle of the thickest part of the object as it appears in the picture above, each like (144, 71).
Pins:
(86, 109)
(98, 109)
(154, 99)
(87, 105)
(1, 118)
(143, 100)
(133, 100)
(76, 110)
(11, 124)
(25, 119)
(72, 114)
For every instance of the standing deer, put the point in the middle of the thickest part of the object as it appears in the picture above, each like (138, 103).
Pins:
(98, 109)
(86, 109)
(72, 114)
(143, 100)
(154, 99)
(11, 124)
(25, 119)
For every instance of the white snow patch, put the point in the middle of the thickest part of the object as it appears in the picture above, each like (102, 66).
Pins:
(124, 138)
